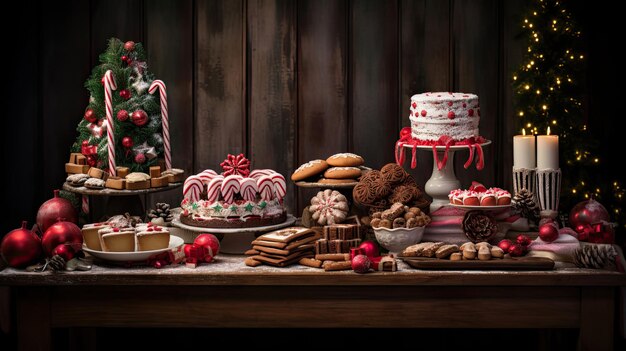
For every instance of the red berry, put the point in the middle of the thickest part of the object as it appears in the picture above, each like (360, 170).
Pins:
(516, 250)
(122, 115)
(125, 94)
(523, 240)
(90, 116)
(505, 245)
(450, 103)
(464, 105)
(470, 112)
(451, 115)
(127, 142)
(124, 58)
(423, 113)
(414, 105)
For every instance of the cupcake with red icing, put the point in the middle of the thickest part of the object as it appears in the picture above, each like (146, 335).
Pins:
(503, 197)
(456, 197)
(488, 198)
(470, 198)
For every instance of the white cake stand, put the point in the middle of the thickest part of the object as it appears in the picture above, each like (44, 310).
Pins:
(236, 240)
(442, 181)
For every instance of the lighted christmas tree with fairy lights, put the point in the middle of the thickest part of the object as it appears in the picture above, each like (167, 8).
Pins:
(549, 92)
(136, 113)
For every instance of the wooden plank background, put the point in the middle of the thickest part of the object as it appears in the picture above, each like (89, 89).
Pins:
(279, 80)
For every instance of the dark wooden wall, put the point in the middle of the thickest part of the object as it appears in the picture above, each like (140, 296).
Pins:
(281, 81)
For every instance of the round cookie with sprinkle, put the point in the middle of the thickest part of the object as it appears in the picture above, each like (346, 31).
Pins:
(309, 169)
(342, 173)
(345, 160)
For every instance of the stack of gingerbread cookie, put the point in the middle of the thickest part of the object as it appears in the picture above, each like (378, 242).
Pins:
(338, 238)
(340, 168)
(282, 247)
(377, 190)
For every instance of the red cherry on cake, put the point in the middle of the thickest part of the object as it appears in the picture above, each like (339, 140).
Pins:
(464, 105)
(451, 115)
(423, 113)
(470, 112)
(450, 103)
(414, 105)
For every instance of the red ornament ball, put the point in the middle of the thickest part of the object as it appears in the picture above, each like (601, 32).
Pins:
(124, 58)
(62, 232)
(139, 118)
(20, 247)
(90, 116)
(127, 142)
(208, 241)
(589, 219)
(505, 245)
(140, 158)
(64, 250)
(370, 248)
(125, 94)
(548, 232)
(50, 211)
(122, 115)
(129, 45)
(92, 161)
(516, 250)
(361, 264)
(85, 143)
(523, 240)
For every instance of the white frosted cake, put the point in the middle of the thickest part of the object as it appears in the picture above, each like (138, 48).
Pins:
(434, 115)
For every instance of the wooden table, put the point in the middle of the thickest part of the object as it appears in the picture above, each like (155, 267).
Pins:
(229, 294)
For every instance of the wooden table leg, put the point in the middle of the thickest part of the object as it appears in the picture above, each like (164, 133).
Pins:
(596, 318)
(33, 319)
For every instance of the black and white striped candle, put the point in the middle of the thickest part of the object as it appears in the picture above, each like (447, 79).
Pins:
(549, 189)
(524, 178)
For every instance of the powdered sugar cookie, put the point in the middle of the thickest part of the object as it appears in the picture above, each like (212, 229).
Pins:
(345, 160)
(309, 169)
(342, 172)
(94, 183)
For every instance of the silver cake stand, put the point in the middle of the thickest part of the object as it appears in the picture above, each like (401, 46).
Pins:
(235, 240)
(442, 181)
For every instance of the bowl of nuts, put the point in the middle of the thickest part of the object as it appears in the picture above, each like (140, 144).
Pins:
(399, 227)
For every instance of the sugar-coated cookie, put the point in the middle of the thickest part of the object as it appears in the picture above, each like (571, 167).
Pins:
(345, 160)
(77, 179)
(336, 181)
(342, 172)
(94, 183)
(309, 169)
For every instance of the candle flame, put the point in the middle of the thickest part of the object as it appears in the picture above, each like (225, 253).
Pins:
(548, 132)
(523, 131)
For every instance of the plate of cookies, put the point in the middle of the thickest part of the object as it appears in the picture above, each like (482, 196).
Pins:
(339, 171)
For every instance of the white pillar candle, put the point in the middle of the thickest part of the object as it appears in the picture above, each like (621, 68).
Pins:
(524, 151)
(548, 151)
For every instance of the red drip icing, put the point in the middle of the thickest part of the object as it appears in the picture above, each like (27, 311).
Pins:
(481, 160)
(471, 157)
(414, 157)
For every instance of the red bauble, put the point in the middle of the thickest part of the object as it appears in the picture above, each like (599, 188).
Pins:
(548, 232)
(516, 250)
(140, 158)
(20, 247)
(591, 221)
(370, 248)
(139, 118)
(361, 264)
(64, 250)
(61, 232)
(53, 209)
(208, 241)
(129, 45)
(505, 245)
(127, 142)
(124, 58)
(125, 94)
(90, 116)
(92, 160)
(523, 240)
(122, 115)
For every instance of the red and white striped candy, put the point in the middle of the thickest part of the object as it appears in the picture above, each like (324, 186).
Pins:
(248, 189)
(213, 188)
(165, 120)
(266, 187)
(279, 185)
(207, 175)
(109, 85)
(230, 187)
(257, 173)
(193, 188)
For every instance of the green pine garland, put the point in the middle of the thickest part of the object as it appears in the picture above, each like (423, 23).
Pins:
(125, 75)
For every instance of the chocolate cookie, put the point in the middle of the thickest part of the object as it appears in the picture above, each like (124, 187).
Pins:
(393, 173)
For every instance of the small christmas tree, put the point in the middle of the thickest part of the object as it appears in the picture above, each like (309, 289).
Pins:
(136, 113)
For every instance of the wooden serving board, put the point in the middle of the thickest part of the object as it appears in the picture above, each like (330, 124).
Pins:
(512, 264)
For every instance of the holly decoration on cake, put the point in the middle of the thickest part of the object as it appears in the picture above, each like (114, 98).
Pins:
(236, 165)
(136, 112)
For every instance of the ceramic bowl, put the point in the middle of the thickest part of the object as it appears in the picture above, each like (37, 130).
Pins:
(398, 239)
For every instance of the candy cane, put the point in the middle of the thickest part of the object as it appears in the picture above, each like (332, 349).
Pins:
(213, 188)
(158, 84)
(192, 188)
(248, 189)
(266, 187)
(230, 187)
(109, 85)
(85, 205)
(280, 185)
(207, 175)
(257, 173)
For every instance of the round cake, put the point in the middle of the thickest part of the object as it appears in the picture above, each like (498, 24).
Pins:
(434, 115)
(234, 198)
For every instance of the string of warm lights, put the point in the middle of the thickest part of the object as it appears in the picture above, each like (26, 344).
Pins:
(548, 93)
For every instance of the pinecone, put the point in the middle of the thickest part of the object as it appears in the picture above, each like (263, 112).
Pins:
(525, 204)
(597, 256)
(479, 226)
(161, 210)
(56, 263)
